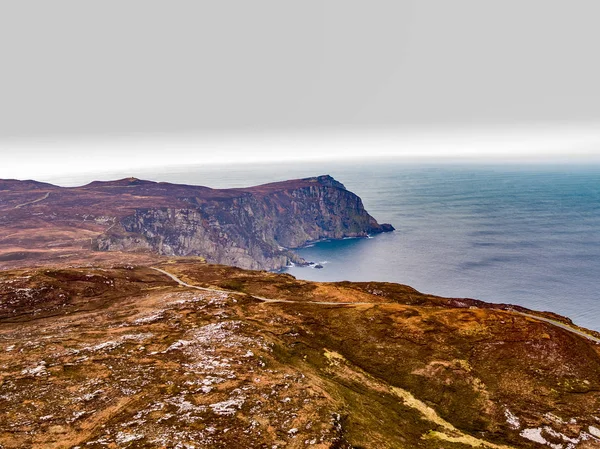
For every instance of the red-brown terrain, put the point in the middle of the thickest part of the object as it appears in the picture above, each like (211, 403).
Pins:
(132, 349)
(251, 228)
(209, 356)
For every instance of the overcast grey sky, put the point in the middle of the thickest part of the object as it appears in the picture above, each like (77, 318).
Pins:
(121, 75)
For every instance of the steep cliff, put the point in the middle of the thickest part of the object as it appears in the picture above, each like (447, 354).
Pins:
(253, 228)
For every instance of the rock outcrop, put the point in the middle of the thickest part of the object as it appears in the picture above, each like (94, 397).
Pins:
(254, 228)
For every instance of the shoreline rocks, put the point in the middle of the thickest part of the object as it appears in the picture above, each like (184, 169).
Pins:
(253, 229)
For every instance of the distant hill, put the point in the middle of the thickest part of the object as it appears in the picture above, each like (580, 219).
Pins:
(115, 332)
(255, 227)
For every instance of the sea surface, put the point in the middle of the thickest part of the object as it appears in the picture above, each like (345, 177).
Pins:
(527, 235)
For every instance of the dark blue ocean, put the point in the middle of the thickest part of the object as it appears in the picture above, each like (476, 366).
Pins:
(527, 235)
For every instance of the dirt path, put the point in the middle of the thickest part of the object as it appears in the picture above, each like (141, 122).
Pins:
(561, 325)
(33, 202)
(270, 300)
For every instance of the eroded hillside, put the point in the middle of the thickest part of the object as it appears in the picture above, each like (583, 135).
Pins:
(128, 357)
(255, 227)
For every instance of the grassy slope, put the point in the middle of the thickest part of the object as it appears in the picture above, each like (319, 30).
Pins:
(133, 360)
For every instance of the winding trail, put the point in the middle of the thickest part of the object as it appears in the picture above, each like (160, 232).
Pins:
(561, 325)
(271, 300)
(263, 299)
(18, 206)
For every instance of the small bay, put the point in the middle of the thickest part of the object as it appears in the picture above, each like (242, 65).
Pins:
(527, 235)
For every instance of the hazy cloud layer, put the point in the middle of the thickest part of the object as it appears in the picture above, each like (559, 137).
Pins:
(521, 144)
(72, 68)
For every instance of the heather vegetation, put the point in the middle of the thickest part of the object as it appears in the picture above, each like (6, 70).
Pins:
(123, 356)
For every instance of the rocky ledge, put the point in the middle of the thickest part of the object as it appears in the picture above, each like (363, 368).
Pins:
(255, 227)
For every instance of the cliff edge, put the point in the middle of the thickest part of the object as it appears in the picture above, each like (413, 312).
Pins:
(255, 228)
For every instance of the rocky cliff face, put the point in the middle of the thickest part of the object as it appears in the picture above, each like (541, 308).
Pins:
(252, 229)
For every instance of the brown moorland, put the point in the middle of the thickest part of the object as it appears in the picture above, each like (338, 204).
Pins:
(42, 224)
(125, 356)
